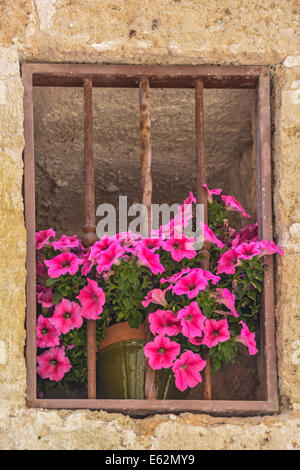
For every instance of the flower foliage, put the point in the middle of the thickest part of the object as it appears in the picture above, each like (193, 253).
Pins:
(194, 314)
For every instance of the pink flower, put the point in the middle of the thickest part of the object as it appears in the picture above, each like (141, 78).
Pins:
(46, 334)
(247, 338)
(42, 237)
(100, 247)
(215, 332)
(65, 243)
(41, 270)
(187, 370)
(53, 364)
(180, 247)
(225, 297)
(211, 192)
(246, 234)
(209, 235)
(148, 258)
(66, 316)
(191, 284)
(161, 352)
(248, 250)
(87, 263)
(176, 225)
(190, 199)
(228, 261)
(173, 279)
(109, 257)
(196, 340)
(269, 248)
(233, 205)
(192, 320)
(152, 244)
(155, 296)
(92, 299)
(63, 264)
(164, 322)
(183, 216)
(44, 296)
(210, 277)
(127, 240)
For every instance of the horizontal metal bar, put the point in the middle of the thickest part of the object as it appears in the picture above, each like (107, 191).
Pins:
(129, 76)
(146, 407)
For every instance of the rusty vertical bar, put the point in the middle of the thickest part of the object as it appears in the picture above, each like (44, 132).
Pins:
(90, 223)
(29, 196)
(145, 147)
(202, 198)
(146, 187)
(264, 205)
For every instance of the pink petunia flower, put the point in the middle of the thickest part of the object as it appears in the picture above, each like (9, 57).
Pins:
(87, 263)
(66, 316)
(209, 235)
(187, 370)
(215, 332)
(192, 320)
(152, 244)
(183, 216)
(63, 264)
(66, 243)
(41, 270)
(148, 258)
(248, 250)
(228, 261)
(46, 334)
(180, 247)
(191, 284)
(44, 296)
(164, 322)
(190, 199)
(211, 192)
(211, 277)
(109, 257)
(92, 299)
(225, 297)
(174, 228)
(247, 338)
(161, 352)
(53, 364)
(173, 279)
(100, 247)
(233, 205)
(196, 340)
(246, 234)
(269, 248)
(155, 296)
(42, 237)
(127, 240)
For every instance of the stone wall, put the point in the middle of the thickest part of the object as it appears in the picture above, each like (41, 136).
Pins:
(150, 32)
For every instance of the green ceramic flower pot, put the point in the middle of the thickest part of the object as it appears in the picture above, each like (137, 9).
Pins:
(120, 370)
(120, 367)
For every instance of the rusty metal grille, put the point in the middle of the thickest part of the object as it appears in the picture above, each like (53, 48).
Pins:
(145, 78)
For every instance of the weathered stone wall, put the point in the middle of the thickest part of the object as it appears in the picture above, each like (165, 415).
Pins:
(149, 32)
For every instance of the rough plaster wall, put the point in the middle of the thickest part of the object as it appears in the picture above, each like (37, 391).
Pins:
(186, 31)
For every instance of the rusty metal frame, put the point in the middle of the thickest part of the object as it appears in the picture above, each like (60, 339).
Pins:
(197, 77)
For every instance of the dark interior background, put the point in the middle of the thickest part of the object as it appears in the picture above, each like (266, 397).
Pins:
(230, 149)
